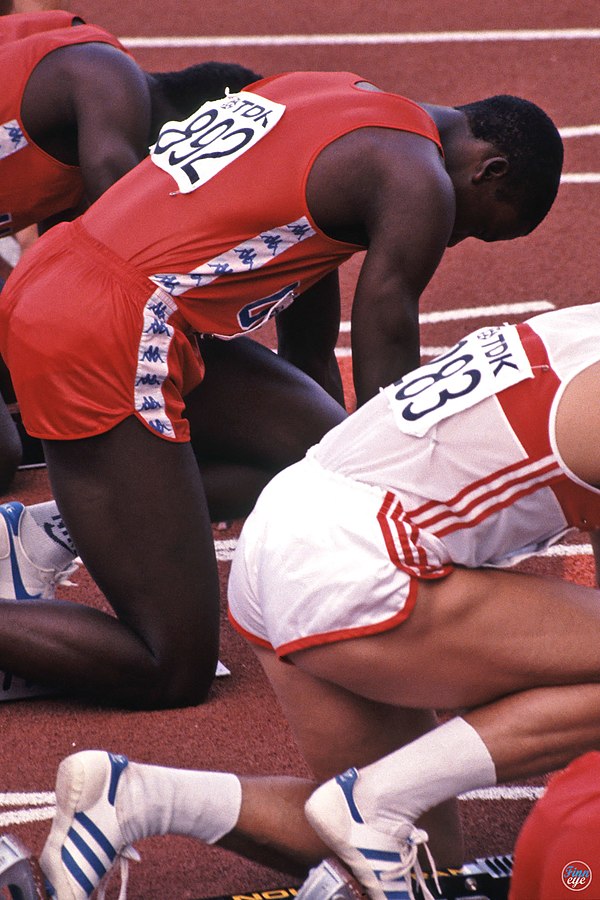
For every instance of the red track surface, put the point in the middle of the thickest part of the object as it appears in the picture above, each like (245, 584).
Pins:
(241, 728)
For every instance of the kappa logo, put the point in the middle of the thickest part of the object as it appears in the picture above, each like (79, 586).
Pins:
(12, 138)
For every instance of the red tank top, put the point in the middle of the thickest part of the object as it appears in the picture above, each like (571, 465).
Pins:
(240, 247)
(34, 185)
(20, 25)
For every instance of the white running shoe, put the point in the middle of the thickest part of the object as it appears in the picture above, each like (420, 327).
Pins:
(20, 577)
(86, 840)
(382, 863)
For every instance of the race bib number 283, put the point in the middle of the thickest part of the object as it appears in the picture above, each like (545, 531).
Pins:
(195, 150)
(484, 363)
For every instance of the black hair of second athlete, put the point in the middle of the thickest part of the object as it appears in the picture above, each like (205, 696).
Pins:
(187, 89)
(529, 139)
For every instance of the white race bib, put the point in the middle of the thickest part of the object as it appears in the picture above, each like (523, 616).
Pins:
(195, 150)
(484, 363)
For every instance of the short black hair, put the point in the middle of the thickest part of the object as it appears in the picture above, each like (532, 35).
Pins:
(187, 89)
(529, 139)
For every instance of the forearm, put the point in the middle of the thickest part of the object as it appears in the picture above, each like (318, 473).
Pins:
(307, 334)
(381, 362)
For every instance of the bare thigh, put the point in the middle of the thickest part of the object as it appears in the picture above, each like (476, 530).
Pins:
(251, 416)
(134, 505)
(472, 637)
(254, 407)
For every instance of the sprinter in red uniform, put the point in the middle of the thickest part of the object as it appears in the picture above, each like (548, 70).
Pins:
(76, 113)
(244, 209)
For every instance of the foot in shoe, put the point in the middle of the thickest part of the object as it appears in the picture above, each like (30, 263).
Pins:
(86, 840)
(383, 863)
(20, 577)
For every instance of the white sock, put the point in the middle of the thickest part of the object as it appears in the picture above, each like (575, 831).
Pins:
(45, 539)
(158, 800)
(441, 764)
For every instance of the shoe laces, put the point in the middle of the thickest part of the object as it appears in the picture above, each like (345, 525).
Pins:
(409, 863)
(62, 577)
(125, 854)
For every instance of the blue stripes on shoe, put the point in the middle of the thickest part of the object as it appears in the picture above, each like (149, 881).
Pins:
(89, 840)
(380, 855)
(385, 856)
(96, 834)
(346, 781)
(118, 762)
(77, 873)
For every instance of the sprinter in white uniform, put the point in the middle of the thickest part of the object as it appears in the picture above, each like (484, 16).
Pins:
(456, 464)
(370, 579)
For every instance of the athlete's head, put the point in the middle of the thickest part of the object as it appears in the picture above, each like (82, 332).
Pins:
(526, 136)
(186, 89)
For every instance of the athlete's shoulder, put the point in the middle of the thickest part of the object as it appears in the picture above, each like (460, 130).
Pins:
(17, 26)
(301, 81)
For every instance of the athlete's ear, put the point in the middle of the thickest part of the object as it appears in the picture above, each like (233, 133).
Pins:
(492, 168)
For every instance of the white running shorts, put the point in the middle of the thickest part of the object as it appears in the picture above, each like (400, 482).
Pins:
(311, 566)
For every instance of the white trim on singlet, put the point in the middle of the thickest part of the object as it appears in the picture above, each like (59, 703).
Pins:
(252, 253)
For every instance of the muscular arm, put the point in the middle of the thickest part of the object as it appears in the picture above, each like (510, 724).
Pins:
(389, 191)
(89, 105)
(307, 332)
(408, 226)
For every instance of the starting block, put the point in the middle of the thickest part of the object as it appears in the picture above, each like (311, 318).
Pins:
(20, 875)
(487, 878)
(331, 880)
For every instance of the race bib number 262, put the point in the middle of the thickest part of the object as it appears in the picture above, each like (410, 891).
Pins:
(195, 150)
(482, 364)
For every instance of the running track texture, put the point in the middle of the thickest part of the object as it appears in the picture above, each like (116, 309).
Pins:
(442, 52)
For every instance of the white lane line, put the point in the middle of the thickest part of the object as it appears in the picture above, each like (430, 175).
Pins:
(419, 37)
(43, 813)
(477, 312)
(580, 178)
(504, 793)
(39, 798)
(580, 131)
(569, 550)
(225, 550)
(346, 352)
(495, 309)
(22, 816)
